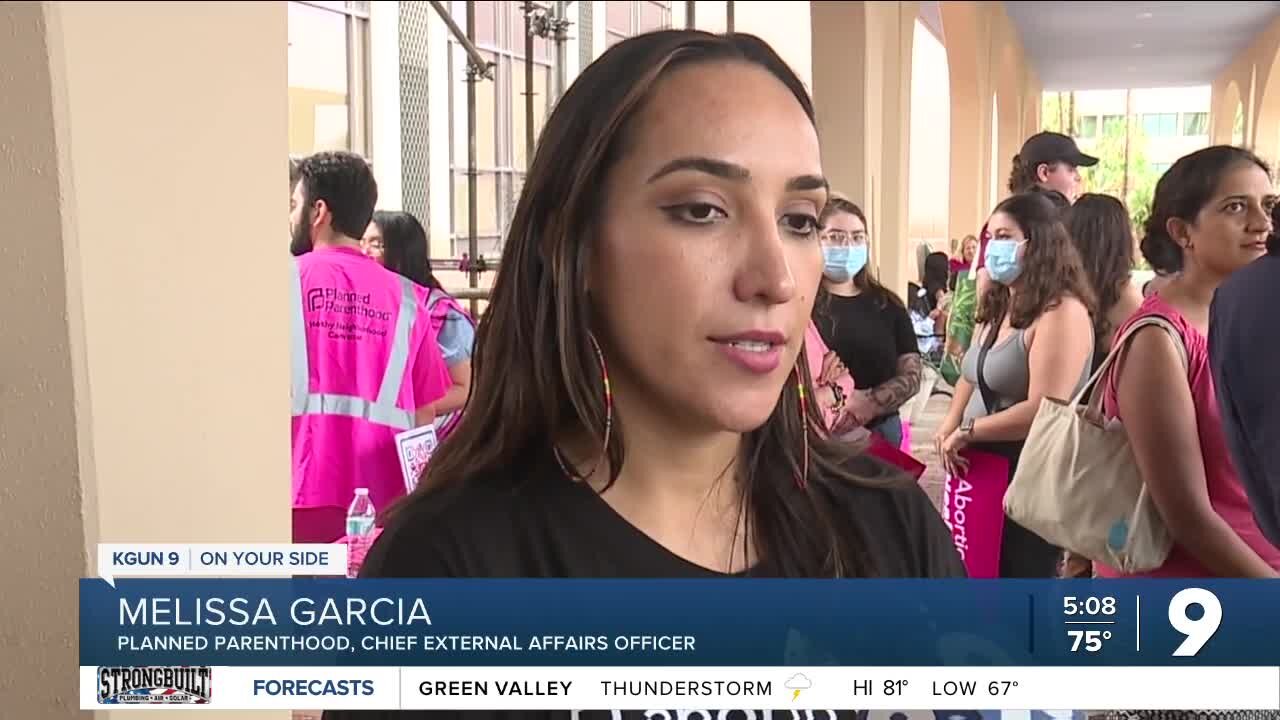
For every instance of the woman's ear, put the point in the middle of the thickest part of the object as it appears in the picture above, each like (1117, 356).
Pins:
(1179, 230)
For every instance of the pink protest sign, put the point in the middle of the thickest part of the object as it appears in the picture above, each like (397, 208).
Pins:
(973, 508)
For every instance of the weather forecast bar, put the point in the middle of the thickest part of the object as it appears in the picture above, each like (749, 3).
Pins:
(710, 688)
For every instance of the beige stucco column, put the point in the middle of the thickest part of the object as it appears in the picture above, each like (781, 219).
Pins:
(144, 379)
(965, 24)
(862, 90)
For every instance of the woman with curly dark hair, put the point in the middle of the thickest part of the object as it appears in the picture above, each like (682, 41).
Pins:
(1034, 340)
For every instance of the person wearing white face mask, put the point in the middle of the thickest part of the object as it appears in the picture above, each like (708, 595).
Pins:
(1034, 339)
(867, 326)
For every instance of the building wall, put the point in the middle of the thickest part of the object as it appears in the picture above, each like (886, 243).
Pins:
(146, 397)
(990, 95)
(984, 55)
(1173, 121)
(1250, 85)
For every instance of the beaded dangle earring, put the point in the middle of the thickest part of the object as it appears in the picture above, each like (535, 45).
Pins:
(802, 480)
(608, 419)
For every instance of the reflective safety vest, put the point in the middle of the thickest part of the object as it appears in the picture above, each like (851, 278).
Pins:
(382, 410)
(364, 358)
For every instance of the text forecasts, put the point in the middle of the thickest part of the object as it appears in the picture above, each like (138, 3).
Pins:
(721, 688)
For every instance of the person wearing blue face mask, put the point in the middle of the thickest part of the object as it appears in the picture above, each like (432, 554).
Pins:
(1033, 339)
(867, 326)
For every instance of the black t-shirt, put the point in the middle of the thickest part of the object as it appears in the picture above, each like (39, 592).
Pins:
(542, 525)
(869, 333)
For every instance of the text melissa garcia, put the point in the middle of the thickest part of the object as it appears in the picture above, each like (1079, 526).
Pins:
(305, 611)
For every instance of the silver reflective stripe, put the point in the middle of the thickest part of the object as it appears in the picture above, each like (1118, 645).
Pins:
(393, 378)
(359, 408)
(383, 411)
(433, 297)
(301, 373)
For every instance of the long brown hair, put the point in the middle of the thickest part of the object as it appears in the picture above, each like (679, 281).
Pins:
(536, 376)
(1051, 271)
(1100, 227)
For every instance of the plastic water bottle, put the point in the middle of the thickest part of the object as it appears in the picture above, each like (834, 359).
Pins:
(360, 515)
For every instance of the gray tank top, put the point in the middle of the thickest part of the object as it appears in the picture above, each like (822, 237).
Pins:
(1008, 374)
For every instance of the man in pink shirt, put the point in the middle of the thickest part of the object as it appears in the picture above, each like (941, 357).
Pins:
(365, 363)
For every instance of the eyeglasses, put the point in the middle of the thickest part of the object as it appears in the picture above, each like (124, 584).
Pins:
(843, 237)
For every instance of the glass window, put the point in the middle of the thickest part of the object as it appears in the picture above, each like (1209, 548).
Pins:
(617, 16)
(486, 205)
(1161, 168)
(318, 107)
(654, 16)
(1113, 124)
(328, 70)
(487, 33)
(1195, 124)
(1160, 124)
(1087, 126)
(516, 34)
(624, 18)
(486, 118)
(519, 119)
(501, 122)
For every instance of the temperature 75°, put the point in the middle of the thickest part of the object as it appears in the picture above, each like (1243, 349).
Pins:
(1091, 640)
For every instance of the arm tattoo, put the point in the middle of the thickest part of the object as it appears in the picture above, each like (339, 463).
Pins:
(893, 394)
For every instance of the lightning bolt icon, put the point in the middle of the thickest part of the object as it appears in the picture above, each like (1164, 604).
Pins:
(795, 694)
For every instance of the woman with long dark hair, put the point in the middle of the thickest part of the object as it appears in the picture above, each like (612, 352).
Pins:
(1211, 216)
(866, 324)
(1033, 340)
(398, 241)
(1103, 234)
(641, 405)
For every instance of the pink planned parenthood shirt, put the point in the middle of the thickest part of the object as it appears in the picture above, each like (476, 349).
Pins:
(370, 361)
(1226, 493)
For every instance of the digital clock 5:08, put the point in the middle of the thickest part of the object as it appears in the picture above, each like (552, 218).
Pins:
(1072, 605)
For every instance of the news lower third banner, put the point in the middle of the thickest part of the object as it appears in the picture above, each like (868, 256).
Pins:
(637, 644)
(678, 623)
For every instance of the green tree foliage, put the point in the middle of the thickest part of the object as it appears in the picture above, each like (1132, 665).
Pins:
(1108, 176)
(1051, 111)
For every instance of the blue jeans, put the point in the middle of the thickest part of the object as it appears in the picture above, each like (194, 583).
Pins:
(889, 428)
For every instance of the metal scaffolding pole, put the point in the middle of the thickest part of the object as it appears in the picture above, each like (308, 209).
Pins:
(560, 29)
(728, 15)
(467, 42)
(473, 243)
(477, 69)
(691, 14)
(528, 84)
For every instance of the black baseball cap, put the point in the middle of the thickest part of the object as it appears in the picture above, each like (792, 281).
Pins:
(1051, 147)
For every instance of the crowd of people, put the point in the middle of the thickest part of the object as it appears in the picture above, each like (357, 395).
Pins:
(686, 351)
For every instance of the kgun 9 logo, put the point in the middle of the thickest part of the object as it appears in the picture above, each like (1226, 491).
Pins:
(1199, 630)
